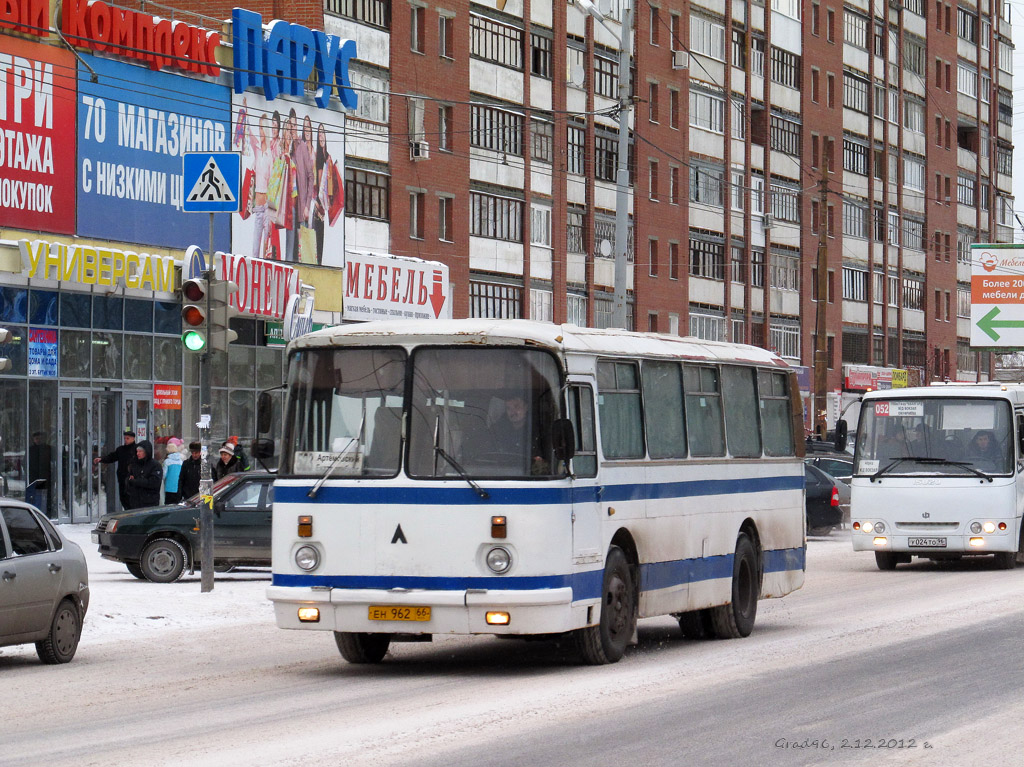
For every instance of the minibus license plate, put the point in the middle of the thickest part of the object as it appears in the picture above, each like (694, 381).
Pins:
(398, 613)
(928, 543)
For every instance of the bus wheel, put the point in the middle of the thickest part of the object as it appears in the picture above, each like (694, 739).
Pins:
(1006, 560)
(607, 641)
(362, 648)
(736, 619)
(696, 624)
(886, 560)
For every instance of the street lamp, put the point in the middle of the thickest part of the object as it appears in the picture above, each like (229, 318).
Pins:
(625, 39)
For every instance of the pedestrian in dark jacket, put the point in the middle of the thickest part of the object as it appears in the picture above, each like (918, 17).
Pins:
(191, 471)
(145, 478)
(228, 463)
(123, 455)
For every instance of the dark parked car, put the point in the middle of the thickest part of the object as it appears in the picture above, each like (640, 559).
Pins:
(160, 543)
(823, 501)
(839, 465)
(44, 584)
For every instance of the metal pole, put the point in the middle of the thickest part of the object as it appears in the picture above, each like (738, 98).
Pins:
(821, 323)
(205, 418)
(622, 170)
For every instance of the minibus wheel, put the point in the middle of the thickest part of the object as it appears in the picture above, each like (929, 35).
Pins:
(362, 648)
(886, 560)
(736, 619)
(607, 641)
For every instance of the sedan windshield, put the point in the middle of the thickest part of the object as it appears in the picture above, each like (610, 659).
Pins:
(933, 435)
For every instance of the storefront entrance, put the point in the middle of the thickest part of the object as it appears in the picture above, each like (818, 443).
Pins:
(91, 424)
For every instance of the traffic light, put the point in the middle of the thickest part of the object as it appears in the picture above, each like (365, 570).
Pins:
(194, 293)
(5, 338)
(221, 314)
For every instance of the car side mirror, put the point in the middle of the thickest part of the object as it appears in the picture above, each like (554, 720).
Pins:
(842, 433)
(563, 439)
(262, 448)
(264, 412)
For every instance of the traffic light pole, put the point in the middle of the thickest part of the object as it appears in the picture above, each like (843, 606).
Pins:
(205, 475)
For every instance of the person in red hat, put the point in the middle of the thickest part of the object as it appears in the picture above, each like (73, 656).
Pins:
(243, 459)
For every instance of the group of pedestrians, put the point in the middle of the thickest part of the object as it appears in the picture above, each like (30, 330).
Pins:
(141, 478)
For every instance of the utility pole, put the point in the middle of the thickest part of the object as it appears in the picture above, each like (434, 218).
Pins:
(622, 171)
(821, 315)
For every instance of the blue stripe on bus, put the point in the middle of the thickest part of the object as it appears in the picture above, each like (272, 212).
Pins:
(542, 495)
(587, 585)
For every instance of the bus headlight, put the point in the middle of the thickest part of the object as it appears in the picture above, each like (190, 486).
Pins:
(975, 527)
(499, 560)
(879, 527)
(989, 527)
(307, 558)
(867, 527)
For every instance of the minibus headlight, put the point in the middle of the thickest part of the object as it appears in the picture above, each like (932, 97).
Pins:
(879, 527)
(499, 560)
(307, 558)
(867, 527)
(989, 527)
(975, 527)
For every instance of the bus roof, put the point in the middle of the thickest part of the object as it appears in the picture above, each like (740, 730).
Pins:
(558, 338)
(989, 389)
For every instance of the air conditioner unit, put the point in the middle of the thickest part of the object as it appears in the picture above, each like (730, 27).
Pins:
(419, 150)
(680, 60)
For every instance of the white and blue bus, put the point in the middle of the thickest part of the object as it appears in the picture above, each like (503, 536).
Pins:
(520, 478)
(938, 473)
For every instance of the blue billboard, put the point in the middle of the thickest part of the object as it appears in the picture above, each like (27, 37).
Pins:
(134, 126)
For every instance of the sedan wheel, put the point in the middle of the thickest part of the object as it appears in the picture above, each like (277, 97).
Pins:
(62, 641)
(163, 560)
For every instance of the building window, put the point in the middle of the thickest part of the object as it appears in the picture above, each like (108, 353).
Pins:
(576, 310)
(445, 221)
(706, 184)
(785, 68)
(707, 111)
(652, 179)
(606, 157)
(967, 80)
(444, 128)
(966, 190)
(785, 136)
(757, 45)
(914, 6)
(855, 284)
(855, 30)
(495, 42)
(855, 157)
(497, 218)
(673, 185)
(416, 28)
(967, 25)
(914, 55)
(913, 116)
(376, 13)
(606, 77)
(707, 327)
(416, 200)
(785, 271)
(445, 36)
(540, 226)
(785, 340)
(673, 260)
(652, 102)
(707, 259)
(367, 194)
(575, 229)
(652, 253)
(855, 219)
(855, 93)
(576, 154)
(785, 203)
(789, 8)
(496, 129)
(655, 25)
(542, 135)
(494, 300)
(913, 293)
(913, 173)
(541, 308)
(540, 55)
(707, 37)
(673, 108)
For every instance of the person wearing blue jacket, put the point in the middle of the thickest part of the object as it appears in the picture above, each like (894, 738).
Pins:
(172, 470)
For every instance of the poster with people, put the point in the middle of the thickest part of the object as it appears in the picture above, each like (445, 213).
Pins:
(293, 180)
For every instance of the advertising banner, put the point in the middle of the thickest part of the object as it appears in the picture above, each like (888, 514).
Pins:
(293, 180)
(37, 146)
(167, 396)
(134, 126)
(42, 353)
(997, 296)
(385, 287)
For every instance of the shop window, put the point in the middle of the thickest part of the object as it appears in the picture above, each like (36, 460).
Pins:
(242, 367)
(107, 353)
(138, 357)
(167, 359)
(42, 306)
(75, 354)
(15, 350)
(138, 316)
(167, 317)
(108, 314)
(13, 305)
(75, 310)
(269, 367)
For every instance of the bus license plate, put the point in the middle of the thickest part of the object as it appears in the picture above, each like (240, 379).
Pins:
(398, 613)
(927, 543)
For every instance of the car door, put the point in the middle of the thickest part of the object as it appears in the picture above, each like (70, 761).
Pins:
(30, 576)
(242, 524)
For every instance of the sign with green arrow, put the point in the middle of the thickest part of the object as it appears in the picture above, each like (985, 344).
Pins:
(997, 296)
(989, 323)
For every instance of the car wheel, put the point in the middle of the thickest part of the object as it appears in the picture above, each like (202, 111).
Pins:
(60, 644)
(163, 560)
(736, 619)
(886, 560)
(607, 641)
(136, 570)
(362, 648)
(822, 531)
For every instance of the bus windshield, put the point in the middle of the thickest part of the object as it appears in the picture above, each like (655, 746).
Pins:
(471, 413)
(932, 435)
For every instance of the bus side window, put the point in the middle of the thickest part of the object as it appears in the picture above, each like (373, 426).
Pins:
(741, 417)
(1020, 436)
(776, 418)
(618, 388)
(703, 411)
(581, 413)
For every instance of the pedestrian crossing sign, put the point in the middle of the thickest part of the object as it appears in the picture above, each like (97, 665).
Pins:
(211, 181)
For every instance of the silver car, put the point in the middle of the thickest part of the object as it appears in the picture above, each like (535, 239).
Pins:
(44, 584)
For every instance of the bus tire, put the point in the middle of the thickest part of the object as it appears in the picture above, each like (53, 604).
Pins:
(607, 641)
(362, 648)
(886, 560)
(1006, 560)
(696, 624)
(736, 619)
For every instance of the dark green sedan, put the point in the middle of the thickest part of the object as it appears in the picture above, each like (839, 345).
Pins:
(160, 543)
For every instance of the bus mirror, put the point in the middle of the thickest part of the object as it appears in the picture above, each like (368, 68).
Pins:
(841, 435)
(263, 448)
(264, 412)
(563, 439)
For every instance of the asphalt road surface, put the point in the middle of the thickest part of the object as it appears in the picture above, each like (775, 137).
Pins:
(915, 667)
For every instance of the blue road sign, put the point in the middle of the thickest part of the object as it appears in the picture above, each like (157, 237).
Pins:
(212, 181)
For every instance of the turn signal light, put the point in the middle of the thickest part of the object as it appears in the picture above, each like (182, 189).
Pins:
(499, 527)
(881, 540)
(309, 614)
(305, 526)
(496, 618)
(977, 542)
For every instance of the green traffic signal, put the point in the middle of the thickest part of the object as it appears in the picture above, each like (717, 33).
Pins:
(193, 341)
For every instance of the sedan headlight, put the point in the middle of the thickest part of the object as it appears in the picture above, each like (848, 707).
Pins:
(499, 560)
(307, 558)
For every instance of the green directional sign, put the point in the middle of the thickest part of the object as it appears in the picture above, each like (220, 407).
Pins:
(989, 323)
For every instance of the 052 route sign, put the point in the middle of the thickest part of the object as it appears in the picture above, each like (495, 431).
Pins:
(997, 296)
